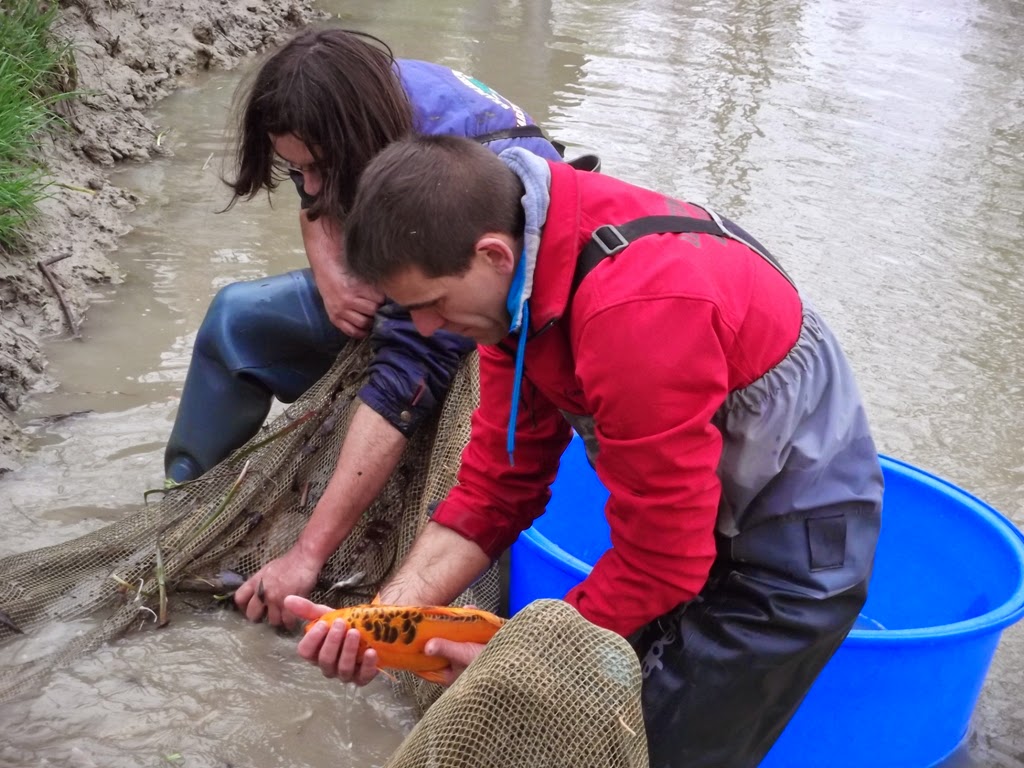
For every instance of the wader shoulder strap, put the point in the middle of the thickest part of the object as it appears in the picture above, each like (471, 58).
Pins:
(610, 239)
(518, 132)
(590, 163)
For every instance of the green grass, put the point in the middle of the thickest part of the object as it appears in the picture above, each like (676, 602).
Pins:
(33, 67)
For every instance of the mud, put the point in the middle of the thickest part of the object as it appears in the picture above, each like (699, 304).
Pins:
(127, 56)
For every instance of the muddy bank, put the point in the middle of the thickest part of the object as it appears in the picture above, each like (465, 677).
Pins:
(128, 55)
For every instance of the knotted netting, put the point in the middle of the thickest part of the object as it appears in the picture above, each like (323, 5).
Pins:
(244, 512)
(550, 690)
(548, 674)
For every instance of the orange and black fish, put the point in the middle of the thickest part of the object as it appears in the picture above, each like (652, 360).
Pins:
(399, 633)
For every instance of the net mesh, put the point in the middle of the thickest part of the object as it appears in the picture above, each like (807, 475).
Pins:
(550, 689)
(548, 679)
(244, 512)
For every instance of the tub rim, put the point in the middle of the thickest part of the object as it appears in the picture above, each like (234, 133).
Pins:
(995, 620)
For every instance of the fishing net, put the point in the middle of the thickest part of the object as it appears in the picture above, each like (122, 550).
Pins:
(244, 512)
(550, 689)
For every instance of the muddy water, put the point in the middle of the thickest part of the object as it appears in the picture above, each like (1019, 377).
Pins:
(875, 147)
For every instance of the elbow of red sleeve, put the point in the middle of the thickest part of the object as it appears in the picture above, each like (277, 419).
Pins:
(492, 536)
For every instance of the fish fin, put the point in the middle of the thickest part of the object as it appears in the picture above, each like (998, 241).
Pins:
(434, 676)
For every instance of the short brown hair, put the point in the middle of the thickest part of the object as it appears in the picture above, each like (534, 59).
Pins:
(338, 92)
(425, 202)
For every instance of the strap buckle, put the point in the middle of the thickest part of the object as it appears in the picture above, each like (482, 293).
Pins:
(609, 239)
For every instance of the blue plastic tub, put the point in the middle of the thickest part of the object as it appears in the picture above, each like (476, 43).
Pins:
(899, 693)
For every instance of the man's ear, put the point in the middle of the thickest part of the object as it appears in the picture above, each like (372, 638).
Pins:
(498, 251)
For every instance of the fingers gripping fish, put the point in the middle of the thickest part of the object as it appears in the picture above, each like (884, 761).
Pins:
(399, 633)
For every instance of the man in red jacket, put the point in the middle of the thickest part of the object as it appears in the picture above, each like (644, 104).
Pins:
(745, 488)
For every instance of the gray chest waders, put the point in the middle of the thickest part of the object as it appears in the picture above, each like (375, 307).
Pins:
(725, 671)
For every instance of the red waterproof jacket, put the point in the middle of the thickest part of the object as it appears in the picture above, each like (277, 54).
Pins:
(649, 345)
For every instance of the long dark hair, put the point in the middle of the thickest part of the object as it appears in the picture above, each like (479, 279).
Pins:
(337, 91)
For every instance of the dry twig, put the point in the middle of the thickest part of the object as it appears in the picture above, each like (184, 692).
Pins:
(44, 267)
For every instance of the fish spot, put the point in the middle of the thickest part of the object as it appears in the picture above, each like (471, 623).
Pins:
(408, 632)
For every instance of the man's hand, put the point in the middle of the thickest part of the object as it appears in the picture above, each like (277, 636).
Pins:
(294, 573)
(350, 303)
(335, 649)
(459, 655)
